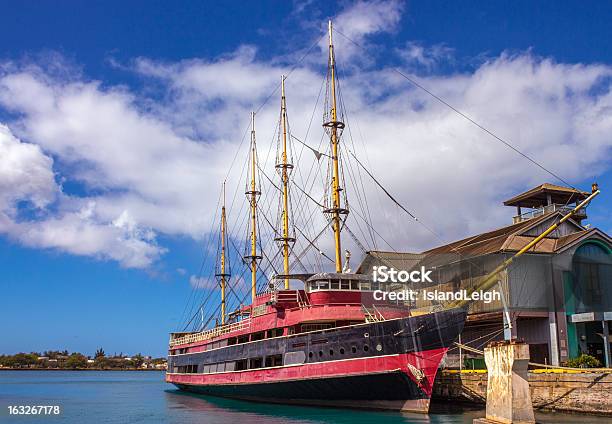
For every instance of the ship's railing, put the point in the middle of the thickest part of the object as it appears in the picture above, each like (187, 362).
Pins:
(259, 310)
(212, 333)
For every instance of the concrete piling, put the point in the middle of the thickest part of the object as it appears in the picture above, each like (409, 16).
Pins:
(508, 397)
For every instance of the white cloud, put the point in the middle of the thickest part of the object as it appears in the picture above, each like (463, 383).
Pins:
(360, 20)
(26, 175)
(202, 283)
(426, 57)
(365, 18)
(156, 167)
(78, 233)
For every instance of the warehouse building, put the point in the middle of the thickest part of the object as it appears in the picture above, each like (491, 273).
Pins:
(558, 296)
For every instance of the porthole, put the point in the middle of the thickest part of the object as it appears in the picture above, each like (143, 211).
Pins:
(320, 353)
(366, 348)
(310, 354)
(331, 352)
(341, 351)
(379, 347)
(354, 349)
(366, 335)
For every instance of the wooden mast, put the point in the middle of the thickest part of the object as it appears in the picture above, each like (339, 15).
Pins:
(252, 194)
(284, 167)
(334, 125)
(223, 274)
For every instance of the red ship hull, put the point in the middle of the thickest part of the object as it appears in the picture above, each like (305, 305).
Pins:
(384, 365)
(373, 383)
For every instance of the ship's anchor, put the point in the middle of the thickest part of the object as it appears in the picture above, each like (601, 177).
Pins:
(418, 374)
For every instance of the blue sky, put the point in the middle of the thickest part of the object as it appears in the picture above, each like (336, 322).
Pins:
(119, 121)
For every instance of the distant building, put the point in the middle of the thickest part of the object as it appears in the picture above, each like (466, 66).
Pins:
(559, 294)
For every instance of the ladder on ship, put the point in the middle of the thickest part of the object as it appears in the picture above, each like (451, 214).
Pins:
(372, 315)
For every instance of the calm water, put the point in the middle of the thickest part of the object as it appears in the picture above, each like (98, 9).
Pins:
(143, 397)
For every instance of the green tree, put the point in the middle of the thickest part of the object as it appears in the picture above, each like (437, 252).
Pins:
(24, 359)
(101, 362)
(137, 360)
(76, 360)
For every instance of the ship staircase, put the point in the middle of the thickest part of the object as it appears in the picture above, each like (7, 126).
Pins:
(372, 314)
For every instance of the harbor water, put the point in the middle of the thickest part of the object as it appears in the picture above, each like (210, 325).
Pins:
(143, 397)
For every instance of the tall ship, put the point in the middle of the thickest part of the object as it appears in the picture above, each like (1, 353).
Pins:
(311, 338)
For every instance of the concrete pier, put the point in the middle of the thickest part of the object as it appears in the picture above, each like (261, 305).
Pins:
(508, 396)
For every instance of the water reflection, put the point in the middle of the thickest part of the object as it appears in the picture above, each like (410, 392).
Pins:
(227, 410)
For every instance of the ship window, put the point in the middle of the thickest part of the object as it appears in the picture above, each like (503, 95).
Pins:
(206, 369)
(258, 336)
(255, 363)
(315, 327)
(365, 285)
(354, 285)
(232, 341)
(241, 365)
(322, 285)
(274, 361)
(276, 332)
(335, 285)
(366, 348)
(331, 352)
(243, 339)
(341, 351)
(310, 354)
(187, 369)
(230, 366)
(345, 285)
(354, 349)
(320, 353)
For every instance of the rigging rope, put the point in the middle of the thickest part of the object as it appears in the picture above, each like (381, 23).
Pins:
(465, 116)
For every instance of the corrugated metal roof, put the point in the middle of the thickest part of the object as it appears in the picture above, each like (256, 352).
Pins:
(511, 238)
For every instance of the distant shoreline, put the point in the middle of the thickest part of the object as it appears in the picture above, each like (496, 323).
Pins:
(78, 369)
